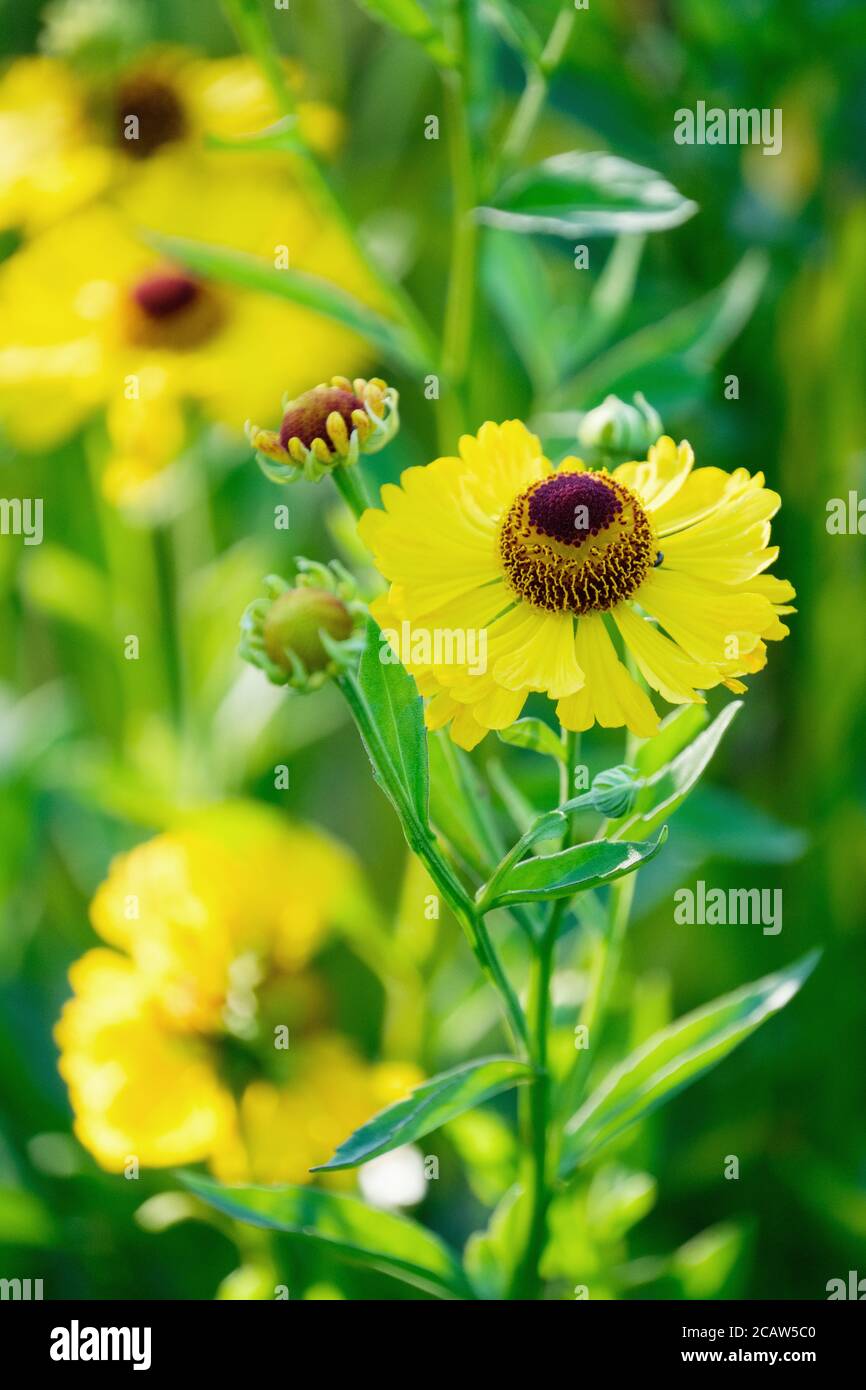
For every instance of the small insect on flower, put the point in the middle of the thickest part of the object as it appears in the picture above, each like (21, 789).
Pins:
(564, 569)
(301, 634)
(329, 426)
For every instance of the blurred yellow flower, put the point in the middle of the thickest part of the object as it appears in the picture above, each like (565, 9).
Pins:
(48, 165)
(65, 139)
(91, 315)
(177, 1050)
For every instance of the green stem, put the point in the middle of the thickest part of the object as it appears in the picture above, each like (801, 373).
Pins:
(351, 486)
(422, 842)
(527, 1282)
(460, 301)
(248, 21)
(529, 107)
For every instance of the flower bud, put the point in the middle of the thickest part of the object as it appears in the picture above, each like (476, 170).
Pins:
(614, 792)
(616, 428)
(301, 634)
(329, 426)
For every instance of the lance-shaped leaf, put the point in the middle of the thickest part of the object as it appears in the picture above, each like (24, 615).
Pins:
(347, 1227)
(572, 870)
(409, 17)
(248, 272)
(428, 1107)
(578, 194)
(675, 1057)
(666, 789)
(391, 696)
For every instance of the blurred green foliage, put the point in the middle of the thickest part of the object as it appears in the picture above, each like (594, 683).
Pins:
(767, 282)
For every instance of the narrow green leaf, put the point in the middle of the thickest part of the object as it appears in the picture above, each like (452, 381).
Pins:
(534, 734)
(580, 194)
(667, 789)
(410, 18)
(248, 272)
(398, 717)
(573, 870)
(282, 137)
(346, 1226)
(670, 359)
(428, 1107)
(675, 1057)
(514, 27)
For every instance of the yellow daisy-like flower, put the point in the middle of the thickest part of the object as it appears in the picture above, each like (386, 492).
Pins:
(213, 924)
(91, 315)
(563, 570)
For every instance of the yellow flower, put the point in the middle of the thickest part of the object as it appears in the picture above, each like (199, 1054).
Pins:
(563, 570)
(231, 887)
(137, 1089)
(64, 139)
(91, 315)
(213, 923)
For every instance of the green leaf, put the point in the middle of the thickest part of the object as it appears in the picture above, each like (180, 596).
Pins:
(516, 283)
(720, 824)
(428, 1107)
(579, 194)
(460, 806)
(676, 730)
(534, 734)
(675, 1057)
(397, 712)
(491, 1257)
(670, 359)
(410, 18)
(346, 1226)
(667, 789)
(573, 870)
(248, 272)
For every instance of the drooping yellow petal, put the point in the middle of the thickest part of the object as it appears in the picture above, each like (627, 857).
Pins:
(610, 697)
(664, 666)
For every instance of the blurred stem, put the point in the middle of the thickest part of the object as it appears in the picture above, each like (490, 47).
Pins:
(605, 963)
(460, 299)
(529, 107)
(253, 32)
(527, 1281)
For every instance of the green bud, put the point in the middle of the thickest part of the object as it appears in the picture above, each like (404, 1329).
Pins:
(301, 634)
(294, 622)
(616, 428)
(614, 792)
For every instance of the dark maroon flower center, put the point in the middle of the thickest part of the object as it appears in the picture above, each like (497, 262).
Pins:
(307, 417)
(165, 293)
(573, 506)
(148, 115)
